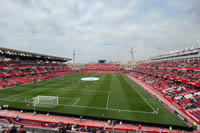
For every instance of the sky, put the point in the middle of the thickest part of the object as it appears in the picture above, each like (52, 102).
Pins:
(99, 29)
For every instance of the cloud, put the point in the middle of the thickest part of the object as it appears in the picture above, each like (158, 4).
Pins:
(99, 29)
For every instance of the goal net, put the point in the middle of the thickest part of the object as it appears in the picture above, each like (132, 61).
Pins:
(45, 101)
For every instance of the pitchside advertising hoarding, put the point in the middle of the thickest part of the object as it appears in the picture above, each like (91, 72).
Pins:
(180, 116)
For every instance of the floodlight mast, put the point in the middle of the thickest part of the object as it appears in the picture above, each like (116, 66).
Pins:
(132, 56)
(74, 53)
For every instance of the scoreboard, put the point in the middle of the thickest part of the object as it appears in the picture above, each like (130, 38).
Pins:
(102, 61)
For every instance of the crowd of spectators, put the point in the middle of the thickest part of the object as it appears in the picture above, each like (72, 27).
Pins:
(17, 126)
(16, 73)
(184, 63)
(77, 128)
(176, 80)
(185, 70)
(12, 128)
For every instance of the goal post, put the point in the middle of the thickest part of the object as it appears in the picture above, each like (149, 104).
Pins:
(45, 101)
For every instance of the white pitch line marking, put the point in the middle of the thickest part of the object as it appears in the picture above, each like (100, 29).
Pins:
(76, 102)
(88, 107)
(142, 97)
(108, 100)
(67, 98)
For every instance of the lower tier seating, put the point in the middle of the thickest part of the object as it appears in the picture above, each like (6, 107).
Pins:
(183, 95)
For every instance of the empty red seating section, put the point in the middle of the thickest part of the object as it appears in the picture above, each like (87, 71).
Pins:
(16, 73)
(178, 81)
(101, 68)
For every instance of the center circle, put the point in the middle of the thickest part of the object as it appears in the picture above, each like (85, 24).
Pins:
(89, 79)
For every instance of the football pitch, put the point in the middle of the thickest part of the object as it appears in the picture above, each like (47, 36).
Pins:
(113, 96)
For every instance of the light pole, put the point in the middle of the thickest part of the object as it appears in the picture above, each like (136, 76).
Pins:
(132, 55)
(74, 56)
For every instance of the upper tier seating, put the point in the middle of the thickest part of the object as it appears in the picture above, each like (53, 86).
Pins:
(184, 71)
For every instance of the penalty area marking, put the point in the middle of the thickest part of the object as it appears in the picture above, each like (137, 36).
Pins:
(111, 109)
(89, 107)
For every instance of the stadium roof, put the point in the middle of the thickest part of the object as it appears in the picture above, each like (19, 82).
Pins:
(25, 54)
(194, 50)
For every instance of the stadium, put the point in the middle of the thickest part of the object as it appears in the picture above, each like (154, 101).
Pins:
(99, 66)
(160, 93)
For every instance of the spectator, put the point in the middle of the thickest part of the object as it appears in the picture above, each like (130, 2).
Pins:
(17, 118)
(21, 130)
(139, 128)
(12, 130)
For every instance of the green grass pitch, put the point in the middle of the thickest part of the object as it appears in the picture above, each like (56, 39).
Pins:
(113, 96)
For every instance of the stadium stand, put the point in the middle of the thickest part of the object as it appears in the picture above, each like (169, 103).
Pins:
(43, 123)
(20, 67)
(175, 79)
(15, 73)
(101, 68)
